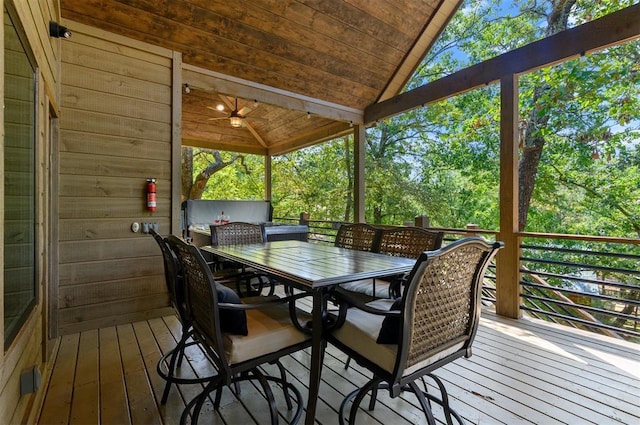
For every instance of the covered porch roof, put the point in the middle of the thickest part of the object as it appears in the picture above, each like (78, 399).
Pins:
(306, 70)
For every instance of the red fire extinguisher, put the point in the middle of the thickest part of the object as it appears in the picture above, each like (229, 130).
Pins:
(151, 194)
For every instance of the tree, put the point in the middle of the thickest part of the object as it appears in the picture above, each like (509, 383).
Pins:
(211, 162)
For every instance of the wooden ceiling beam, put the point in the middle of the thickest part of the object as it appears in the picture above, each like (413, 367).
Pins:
(315, 136)
(226, 145)
(215, 82)
(612, 29)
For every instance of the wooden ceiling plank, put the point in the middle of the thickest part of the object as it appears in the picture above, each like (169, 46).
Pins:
(148, 28)
(406, 16)
(356, 18)
(333, 32)
(612, 29)
(237, 35)
(317, 33)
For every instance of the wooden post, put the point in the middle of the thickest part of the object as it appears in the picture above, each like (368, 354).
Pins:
(176, 146)
(508, 258)
(472, 226)
(358, 171)
(267, 177)
(421, 221)
(304, 218)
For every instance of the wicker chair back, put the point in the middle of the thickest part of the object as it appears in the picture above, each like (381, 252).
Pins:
(408, 242)
(202, 299)
(174, 280)
(237, 233)
(360, 236)
(442, 306)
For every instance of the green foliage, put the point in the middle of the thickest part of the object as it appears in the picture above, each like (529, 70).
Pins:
(312, 180)
(243, 178)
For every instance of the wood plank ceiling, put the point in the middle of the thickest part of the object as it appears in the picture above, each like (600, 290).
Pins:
(311, 65)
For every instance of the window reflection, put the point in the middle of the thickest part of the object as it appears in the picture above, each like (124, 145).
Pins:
(19, 182)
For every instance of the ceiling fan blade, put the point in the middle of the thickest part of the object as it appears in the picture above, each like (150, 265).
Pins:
(216, 110)
(244, 111)
(217, 118)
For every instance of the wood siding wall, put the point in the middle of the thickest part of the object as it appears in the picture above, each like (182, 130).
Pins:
(115, 132)
(28, 349)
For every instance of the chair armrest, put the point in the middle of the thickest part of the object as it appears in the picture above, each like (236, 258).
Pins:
(343, 298)
(345, 301)
(268, 303)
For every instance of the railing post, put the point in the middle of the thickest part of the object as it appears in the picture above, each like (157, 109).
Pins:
(304, 218)
(471, 226)
(421, 221)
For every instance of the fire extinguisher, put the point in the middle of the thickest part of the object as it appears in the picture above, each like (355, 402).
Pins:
(151, 194)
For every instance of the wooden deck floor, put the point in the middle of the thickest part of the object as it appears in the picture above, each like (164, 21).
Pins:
(521, 372)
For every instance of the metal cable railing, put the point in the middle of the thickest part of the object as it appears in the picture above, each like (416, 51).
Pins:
(577, 282)
(584, 284)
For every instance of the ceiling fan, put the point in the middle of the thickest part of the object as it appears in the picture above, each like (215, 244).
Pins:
(237, 118)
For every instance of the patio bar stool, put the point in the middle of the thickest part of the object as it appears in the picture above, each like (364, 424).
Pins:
(240, 233)
(407, 242)
(432, 324)
(239, 338)
(170, 362)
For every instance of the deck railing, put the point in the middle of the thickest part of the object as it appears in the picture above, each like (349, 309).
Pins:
(590, 283)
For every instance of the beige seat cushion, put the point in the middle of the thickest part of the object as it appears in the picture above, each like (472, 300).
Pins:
(368, 286)
(361, 330)
(270, 330)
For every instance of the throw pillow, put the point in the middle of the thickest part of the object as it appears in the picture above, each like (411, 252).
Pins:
(390, 329)
(231, 321)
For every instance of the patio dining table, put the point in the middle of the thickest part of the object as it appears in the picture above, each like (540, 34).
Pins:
(316, 268)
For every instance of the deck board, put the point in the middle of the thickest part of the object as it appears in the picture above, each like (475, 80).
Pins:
(87, 382)
(113, 397)
(521, 371)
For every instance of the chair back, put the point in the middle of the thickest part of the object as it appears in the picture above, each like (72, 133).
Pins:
(174, 279)
(202, 299)
(408, 242)
(441, 306)
(237, 233)
(360, 236)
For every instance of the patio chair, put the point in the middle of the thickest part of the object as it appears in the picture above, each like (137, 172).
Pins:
(239, 233)
(239, 338)
(408, 242)
(169, 364)
(360, 236)
(432, 324)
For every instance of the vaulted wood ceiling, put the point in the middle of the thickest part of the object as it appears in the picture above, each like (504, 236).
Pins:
(311, 65)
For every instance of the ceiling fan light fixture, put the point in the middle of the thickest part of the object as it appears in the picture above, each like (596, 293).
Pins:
(235, 121)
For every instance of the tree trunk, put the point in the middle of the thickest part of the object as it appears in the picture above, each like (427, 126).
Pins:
(350, 183)
(533, 143)
(187, 172)
(193, 189)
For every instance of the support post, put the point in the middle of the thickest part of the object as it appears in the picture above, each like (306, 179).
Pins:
(359, 136)
(176, 145)
(267, 177)
(508, 258)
